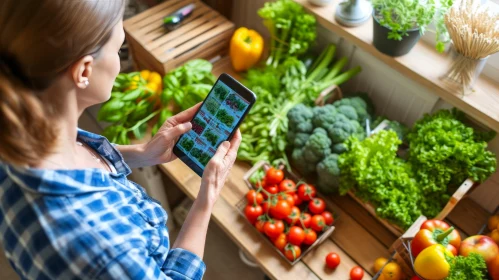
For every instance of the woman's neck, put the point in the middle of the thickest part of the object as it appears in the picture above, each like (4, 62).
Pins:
(65, 153)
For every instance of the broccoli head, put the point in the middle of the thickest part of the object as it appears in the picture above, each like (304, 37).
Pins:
(304, 127)
(290, 135)
(324, 116)
(349, 112)
(300, 163)
(317, 147)
(339, 148)
(320, 130)
(300, 139)
(340, 131)
(299, 114)
(328, 174)
(361, 107)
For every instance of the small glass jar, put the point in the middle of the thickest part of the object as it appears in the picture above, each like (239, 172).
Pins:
(464, 71)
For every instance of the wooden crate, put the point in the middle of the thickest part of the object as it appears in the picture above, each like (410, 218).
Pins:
(243, 202)
(204, 34)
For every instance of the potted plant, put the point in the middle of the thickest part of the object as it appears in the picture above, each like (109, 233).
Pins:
(398, 24)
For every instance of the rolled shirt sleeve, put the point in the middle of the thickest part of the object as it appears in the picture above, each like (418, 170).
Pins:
(136, 264)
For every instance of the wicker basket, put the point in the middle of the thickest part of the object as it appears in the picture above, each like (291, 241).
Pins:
(204, 34)
(242, 204)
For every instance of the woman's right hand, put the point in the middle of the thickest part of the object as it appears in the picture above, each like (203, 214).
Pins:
(217, 170)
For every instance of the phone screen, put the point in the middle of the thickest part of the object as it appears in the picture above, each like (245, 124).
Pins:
(214, 123)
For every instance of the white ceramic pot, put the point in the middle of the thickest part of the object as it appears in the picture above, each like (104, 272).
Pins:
(321, 2)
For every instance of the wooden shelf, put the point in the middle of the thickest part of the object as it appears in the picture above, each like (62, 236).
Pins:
(423, 65)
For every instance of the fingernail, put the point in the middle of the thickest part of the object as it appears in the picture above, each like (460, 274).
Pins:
(226, 144)
(187, 126)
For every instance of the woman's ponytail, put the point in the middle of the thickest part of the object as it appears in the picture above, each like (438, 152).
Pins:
(27, 131)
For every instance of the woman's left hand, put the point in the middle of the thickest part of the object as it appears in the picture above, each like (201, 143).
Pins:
(160, 148)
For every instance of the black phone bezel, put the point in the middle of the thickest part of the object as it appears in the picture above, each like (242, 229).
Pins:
(239, 89)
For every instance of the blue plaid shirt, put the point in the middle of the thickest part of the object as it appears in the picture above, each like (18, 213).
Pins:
(87, 224)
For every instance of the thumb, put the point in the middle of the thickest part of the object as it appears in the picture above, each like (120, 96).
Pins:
(180, 129)
(222, 150)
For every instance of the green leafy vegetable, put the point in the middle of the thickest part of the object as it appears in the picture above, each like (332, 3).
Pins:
(291, 29)
(373, 171)
(465, 268)
(444, 152)
(187, 144)
(211, 137)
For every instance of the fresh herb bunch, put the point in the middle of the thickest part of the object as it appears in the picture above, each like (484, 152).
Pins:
(279, 90)
(292, 30)
(372, 169)
(402, 16)
(464, 268)
(212, 106)
(187, 144)
(444, 152)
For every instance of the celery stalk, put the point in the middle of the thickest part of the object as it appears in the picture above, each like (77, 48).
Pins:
(335, 70)
(340, 79)
(328, 57)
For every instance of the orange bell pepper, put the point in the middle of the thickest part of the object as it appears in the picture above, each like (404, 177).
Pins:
(436, 232)
(246, 48)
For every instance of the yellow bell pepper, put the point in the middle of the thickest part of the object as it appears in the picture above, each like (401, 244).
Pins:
(246, 48)
(432, 263)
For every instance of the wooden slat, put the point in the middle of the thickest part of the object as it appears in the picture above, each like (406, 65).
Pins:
(154, 35)
(365, 219)
(315, 260)
(196, 41)
(422, 65)
(353, 238)
(152, 17)
(468, 216)
(206, 23)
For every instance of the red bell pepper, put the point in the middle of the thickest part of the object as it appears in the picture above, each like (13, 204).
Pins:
(436, 232)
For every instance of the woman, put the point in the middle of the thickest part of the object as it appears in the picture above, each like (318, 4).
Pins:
(67, 210)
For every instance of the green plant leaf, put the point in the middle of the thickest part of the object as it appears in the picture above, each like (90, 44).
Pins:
(133, 95)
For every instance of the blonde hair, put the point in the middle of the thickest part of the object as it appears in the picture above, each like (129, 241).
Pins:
(40, 40)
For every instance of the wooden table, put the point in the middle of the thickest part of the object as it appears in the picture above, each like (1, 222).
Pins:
(358, 238)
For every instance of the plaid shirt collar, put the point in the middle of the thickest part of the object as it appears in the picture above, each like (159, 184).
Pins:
(55, 182)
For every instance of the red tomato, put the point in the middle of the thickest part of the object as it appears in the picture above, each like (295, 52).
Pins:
(356, 273)
(305, 220)
(252, 212)
(310, 237)
(274, 176)
(328, 217)
(272, 189)
(317, 206)
(281, 241)
(260, 184)
(273, 228)
(306, 192)
(265, 207)
(280, 210)
(317, 223)
(294, 217)
(292, 252)
(297, 199)
(296, 235)
(259, 225)
(254, 198)
(332, 260)
(287, 186)
(287, 197)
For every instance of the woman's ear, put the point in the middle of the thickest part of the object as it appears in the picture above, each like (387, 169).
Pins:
(81, 71)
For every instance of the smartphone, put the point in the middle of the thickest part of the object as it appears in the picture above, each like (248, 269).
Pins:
(218, 118)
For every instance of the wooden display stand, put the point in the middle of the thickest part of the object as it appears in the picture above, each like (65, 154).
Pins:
(204, 34)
